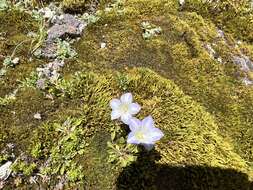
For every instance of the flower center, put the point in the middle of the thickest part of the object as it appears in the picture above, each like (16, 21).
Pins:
(140, 136)
(124, 108)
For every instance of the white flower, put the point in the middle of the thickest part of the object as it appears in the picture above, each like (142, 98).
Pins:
(123, 108)
(144, 132)
(5, 170)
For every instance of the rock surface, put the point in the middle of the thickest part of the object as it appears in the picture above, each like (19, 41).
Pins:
(65, 26)
(243, 62)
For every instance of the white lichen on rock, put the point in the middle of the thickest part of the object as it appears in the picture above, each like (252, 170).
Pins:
(5, 171)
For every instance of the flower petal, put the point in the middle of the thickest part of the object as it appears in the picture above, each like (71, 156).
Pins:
(125, 118)
(148, 122)
(115, 114)
(126, 98)
(134, 108)
(148, 147)
(131, 139)
(156, 134)
(115, 103)
(134, 124)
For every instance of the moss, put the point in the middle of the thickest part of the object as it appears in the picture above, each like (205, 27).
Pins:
(140, 8)
(4, 157)
(16, 22)
(179, 55)
(183, 120)
(76, 6)
(95, 162)
(200, 104)
(23, 167)
(232, 16)
(15, 26)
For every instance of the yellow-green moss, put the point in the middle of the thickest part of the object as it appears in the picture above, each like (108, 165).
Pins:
(15, 26)
(232, 16)
(200, 104)
(193, 131)
(75, 5)
(179, 55)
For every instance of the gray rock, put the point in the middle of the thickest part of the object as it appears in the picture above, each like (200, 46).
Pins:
(210, 50)
(244, 62)
(65, 26)
(48, 73)
(44, 72)
(213, 54)
(247, 81)
(49, 50)
(221, 34)
(246, 66)
(41, 84)
(37, 116)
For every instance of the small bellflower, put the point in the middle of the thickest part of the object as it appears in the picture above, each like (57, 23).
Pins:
(144, 132)
(124, 108)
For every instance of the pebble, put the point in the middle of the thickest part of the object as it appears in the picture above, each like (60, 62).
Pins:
(103, 45)
(37, 116)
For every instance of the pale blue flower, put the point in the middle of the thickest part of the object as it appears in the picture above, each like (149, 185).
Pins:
(144, 132)
(124, 108)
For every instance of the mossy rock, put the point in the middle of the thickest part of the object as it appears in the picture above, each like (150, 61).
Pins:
(201, 105)
(192, 131)
(232, 16)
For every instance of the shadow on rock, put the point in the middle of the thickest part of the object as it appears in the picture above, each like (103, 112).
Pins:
(146, 174)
